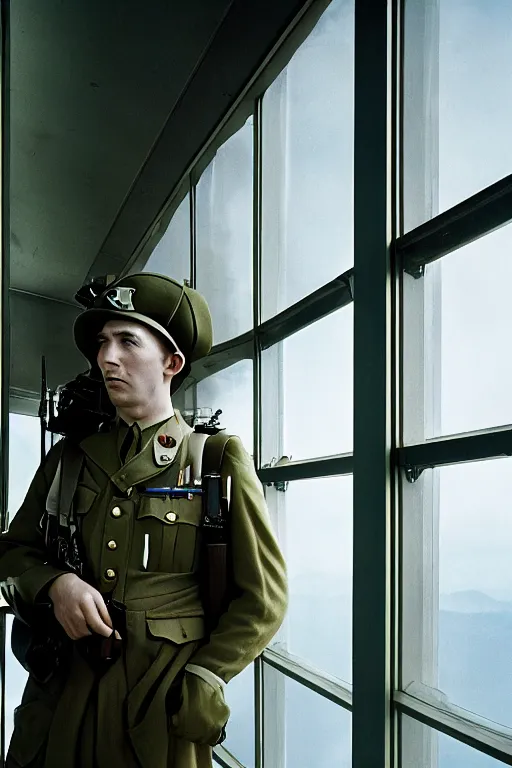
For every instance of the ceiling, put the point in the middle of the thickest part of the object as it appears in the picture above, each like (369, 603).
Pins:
(110, 103)
(92, 85)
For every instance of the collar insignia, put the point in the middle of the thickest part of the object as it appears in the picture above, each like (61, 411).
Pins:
(166, 441)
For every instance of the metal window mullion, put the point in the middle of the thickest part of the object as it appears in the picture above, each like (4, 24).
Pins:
(418, 587)
(315, 680)
(193, 232)
(257, 239)
(475, 217)
(223, 356)
(330, 297)
(478, 446)
(223, 757)
(268, 197)
(303, 470)
(256, 257)
(371, 732)
(456, 723)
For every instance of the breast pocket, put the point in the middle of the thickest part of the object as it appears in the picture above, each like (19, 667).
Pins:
(84, 499)
(168, 532)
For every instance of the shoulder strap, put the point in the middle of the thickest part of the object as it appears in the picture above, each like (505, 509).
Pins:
(213, 453)
(72, 462)
(62, 490)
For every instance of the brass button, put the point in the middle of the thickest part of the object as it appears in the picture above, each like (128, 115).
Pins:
(116, 512)
(171, 517)
(112, 544)
(110, 574)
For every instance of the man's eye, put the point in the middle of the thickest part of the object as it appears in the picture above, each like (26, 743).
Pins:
(128, 341)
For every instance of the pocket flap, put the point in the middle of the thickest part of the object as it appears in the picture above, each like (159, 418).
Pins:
(171, 511)
(84, 499)
(31, 727)
(179, 630)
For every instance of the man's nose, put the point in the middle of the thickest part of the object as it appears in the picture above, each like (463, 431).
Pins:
(108, 355)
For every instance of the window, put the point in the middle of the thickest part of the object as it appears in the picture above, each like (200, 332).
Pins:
(313, 369)
(440, 750)
(224, 235)
(24, 459)
(467, 620)
(458, 69)
(15, 680)
(455, 385)
(230, 391)
(470, 335)
(302, 368)
(240, 732)
(316, 731)
(316, 531)
(171, 256)
(308, 164)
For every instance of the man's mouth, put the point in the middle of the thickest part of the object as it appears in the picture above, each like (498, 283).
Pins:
(114, 379)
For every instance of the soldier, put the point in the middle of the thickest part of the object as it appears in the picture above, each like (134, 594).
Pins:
(158, 702)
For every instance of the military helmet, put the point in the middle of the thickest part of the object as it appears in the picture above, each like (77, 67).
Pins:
(178, 314)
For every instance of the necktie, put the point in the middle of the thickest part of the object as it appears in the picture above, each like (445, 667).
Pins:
(131, 444)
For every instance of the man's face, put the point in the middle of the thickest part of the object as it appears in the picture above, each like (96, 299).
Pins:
(135, 364)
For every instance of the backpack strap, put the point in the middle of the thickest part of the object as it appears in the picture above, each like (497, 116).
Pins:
(61, 530)
(72, 462)
(213, 453)
(216, 581)
(59, 502)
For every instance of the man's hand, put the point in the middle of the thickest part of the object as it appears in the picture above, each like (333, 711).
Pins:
(79, 608)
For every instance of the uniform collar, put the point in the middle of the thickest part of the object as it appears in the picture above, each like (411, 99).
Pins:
(143, 426)
(161, 445)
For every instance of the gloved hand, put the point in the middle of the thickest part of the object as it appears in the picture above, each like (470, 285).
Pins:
(204, 713)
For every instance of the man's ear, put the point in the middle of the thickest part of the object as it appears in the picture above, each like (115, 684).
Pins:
(175, 364)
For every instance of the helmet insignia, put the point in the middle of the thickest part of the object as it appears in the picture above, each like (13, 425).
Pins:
(121, 298)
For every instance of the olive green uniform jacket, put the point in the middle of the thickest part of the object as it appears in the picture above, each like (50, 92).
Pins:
(84, 719)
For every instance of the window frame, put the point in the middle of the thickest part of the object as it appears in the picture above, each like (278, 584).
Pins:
(435, 238)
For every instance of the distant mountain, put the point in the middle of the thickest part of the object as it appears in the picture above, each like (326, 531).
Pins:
(473, 601)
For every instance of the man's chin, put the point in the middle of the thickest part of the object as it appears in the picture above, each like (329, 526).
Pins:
(118, 399)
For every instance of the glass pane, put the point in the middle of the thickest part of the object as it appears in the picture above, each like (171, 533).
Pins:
(469, 335)
(307, 398)
(470, 631)
(231, 390)
(15, 680)
(24, 459)
(224, 235)
(240, 731)
(171, 256)
(308, 142)
(458, 57)
(316, 731)
(317, 542)
(425, 747)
